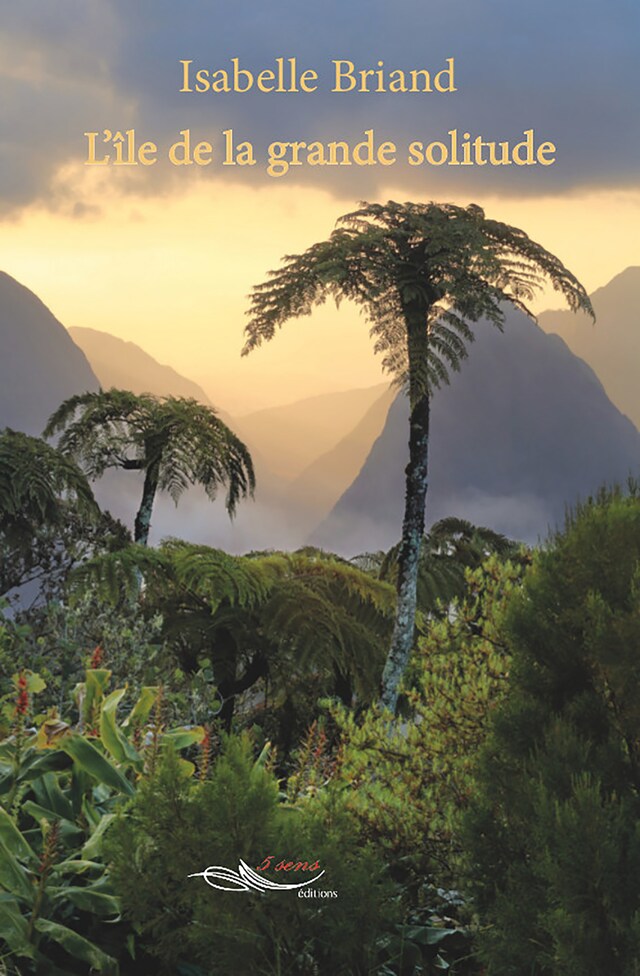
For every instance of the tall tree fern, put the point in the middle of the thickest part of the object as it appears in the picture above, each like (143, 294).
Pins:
(423, 273)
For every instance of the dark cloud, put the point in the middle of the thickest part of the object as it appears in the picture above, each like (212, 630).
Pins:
(569, 71)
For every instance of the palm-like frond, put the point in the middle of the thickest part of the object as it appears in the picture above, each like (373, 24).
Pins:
(452, 546)
(304, 611)
(35, 478)
(176, 441)
(450, 261)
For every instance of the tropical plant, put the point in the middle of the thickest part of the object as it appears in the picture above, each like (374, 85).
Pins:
(422, 273)
(287, 618)
(175, 441)
(553, 841)
(449, 549)
(60, 789)
(49, 519)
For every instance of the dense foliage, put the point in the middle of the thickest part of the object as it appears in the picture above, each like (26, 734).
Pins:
(553, 837)
(172, 715)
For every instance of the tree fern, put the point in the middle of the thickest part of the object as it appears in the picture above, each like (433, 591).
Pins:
(175, 441)
(423, 273)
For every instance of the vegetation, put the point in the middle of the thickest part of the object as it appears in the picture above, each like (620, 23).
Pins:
(175, 441)
(422, 273)
(553, 835)
(172, 715)
(49, 520)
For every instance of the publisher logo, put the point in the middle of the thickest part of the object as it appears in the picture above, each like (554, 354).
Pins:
(246, 879)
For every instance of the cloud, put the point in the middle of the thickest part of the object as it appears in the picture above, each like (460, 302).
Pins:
(569, 71)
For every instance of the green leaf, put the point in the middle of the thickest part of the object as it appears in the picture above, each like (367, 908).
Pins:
(79, 947)
(13, 839)
(93, 846)
(42, 762)
(441, 963)
(113, 737)
(89, 900)
(14, 929)
(69, 831)
(183, 737)
(77, 866)
(93, 762)
(142, 708)
(48, 793)
(95, 685)
(13, 877)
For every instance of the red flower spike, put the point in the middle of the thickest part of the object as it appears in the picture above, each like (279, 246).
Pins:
(97, 658)
(22, 699)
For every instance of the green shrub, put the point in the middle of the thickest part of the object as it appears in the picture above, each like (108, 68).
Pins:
(554, 834)
(176, 828)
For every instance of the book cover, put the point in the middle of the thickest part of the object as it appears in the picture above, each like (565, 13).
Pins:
(273, 276)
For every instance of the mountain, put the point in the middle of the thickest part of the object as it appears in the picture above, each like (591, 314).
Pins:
(40, 365)
(321, 484)
(282, 440)
(128, 367)
(611, 346)
(524, 429)
(293, 436)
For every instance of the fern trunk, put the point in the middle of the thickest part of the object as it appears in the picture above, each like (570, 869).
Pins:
(143, 517)
(414, 511)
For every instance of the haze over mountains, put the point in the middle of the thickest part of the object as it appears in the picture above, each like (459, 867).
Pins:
(286, 442)
(523, 430)
(611, 346)
(128, 367)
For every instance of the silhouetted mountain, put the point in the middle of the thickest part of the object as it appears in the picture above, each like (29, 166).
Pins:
(524, 429)
(40, 366)
(320, 485)
(611, 346)
(293, 436)
(128, 367)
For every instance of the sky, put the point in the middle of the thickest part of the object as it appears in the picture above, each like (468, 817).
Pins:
(166, 255)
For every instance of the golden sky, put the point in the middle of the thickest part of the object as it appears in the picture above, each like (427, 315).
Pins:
(172, 273)
(166, 257)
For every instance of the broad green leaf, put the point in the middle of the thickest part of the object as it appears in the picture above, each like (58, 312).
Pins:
(89, 900)
(12, 838)
(75, 866)
(35, 684)
(8, 750)
(92, 691)
(183, 737)
(79, 947)
(48, 793)
(14, 929)
(69, 831)
(93, 847)
(113, 738)
(90, 811)
(42, 762)
(13, 877)
(93, 762)
(186, 768)
(142, 708)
